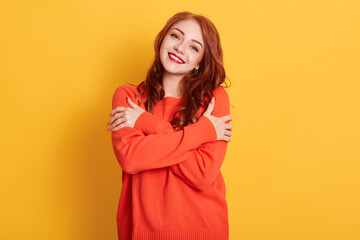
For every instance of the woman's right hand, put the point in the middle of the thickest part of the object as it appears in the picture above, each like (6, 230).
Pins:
(223, 129)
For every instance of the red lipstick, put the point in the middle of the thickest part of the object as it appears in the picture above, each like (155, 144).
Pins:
(175, 58)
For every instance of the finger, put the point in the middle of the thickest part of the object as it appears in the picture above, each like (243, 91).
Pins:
(131, 103)
(116, 116)
(118, 109)
(227, 139)
(118, 127)
(116, 123)
(229, 126)
(227, 133)
(210, 107)
(227, 118)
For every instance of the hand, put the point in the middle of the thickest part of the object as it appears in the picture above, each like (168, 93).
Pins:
(124, 116)
(219, 123)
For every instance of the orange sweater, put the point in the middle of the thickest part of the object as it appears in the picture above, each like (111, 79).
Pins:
(172, 185)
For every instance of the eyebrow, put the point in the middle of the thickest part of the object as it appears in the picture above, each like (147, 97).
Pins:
(191, 39)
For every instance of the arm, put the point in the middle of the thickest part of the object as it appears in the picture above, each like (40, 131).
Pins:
(151, 124)
(203, 165)
(137, 152)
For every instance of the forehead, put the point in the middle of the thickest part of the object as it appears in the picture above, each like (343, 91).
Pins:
(191, 28)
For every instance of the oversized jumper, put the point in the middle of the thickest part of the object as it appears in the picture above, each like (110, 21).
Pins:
(173, 188)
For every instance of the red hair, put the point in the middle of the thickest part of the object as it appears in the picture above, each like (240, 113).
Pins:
(196, 87)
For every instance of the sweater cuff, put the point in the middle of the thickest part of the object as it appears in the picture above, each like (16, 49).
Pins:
(146, 122)
(207, 131)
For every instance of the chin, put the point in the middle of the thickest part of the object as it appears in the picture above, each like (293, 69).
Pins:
(175, 73)
(175, 70)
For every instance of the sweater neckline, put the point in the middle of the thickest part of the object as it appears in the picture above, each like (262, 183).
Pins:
(170, 99)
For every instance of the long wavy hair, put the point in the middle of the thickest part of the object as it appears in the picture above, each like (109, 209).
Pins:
(196, 87)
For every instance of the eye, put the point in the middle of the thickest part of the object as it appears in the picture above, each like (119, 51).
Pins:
(195, 48)
(174, 35)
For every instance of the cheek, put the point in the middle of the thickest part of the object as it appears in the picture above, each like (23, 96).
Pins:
(196, 58)
(161, 48)
(165, 43)
(163, 53)
(201, 57)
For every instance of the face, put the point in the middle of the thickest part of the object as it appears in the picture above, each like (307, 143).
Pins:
(182, 48)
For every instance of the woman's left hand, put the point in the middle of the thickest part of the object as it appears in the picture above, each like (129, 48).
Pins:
(124, 116)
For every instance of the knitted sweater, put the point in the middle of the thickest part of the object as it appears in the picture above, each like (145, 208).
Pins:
(173, 188)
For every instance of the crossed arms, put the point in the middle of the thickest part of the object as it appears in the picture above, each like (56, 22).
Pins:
(192, 154)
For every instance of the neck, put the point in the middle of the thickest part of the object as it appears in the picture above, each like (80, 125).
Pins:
(171, 85)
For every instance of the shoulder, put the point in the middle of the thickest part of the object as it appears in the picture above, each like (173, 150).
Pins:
(126, 89)
(221, 95)
(219, 90)
(222, 102)
(121, 93)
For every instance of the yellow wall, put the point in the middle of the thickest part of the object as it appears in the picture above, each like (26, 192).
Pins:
(292, 168)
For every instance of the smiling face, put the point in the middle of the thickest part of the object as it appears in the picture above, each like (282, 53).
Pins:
(182, 48)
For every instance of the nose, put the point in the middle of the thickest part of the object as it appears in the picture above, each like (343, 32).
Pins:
(180, 47)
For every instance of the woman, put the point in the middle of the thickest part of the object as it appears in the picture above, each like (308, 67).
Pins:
(172, 143)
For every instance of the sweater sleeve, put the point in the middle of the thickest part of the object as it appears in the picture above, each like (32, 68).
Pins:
(137, 152)
(201, 167)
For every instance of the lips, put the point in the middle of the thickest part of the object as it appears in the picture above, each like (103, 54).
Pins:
(173, 57)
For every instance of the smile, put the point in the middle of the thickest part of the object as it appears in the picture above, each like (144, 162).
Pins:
(176, 59)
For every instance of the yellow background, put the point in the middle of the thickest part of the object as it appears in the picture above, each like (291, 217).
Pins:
(292, 168)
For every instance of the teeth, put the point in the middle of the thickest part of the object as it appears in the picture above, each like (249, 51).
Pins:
(177, 59)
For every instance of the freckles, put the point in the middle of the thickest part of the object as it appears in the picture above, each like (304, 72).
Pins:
(195, 59)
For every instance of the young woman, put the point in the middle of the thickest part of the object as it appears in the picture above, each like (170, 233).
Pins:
(170, 135)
